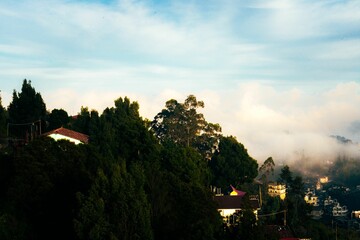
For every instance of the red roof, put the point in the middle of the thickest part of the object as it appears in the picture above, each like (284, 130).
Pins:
(69, 133)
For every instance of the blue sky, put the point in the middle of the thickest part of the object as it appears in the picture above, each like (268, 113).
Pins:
(263, 68)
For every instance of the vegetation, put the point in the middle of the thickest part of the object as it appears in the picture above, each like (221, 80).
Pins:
(129, 182)
(182, 124)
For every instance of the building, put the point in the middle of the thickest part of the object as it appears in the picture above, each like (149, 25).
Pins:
(230, 206)
(324, 180)
(277, 189)
(311, 198)
(236, 192)
(355, 214)
(67, 134)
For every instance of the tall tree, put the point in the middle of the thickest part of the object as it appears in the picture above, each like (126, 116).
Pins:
(2, 120)
(25, 111)
(116, 207)
(286, 175)
(121, 133)
(231, 164)
(57, 118)
(182, 124)
(182, 186)
(41, 194)
(80, 122)
(266, 169)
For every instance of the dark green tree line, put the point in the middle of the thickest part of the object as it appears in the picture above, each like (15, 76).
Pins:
(125, 184)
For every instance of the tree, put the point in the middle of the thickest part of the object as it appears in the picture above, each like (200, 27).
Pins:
(121, 133)
(297, 209)
(57, 118)
(182, 124)
(286, 175)
(116, 207)
(26, 111)
(2, 120)
(41, 194)
(267, 168)
(182, 204)
(81, 122)
(231, 164)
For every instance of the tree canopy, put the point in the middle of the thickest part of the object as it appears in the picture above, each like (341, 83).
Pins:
(27, 105)
(26, 112)
(3, 120)
(181, 123)
(231, 164)
(129, 182)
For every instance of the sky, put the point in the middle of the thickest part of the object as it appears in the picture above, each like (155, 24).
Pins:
(281, 76)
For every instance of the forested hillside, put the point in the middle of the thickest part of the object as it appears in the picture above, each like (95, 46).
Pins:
(134, 180)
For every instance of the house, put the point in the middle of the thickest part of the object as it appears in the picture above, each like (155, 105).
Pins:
(230, 206)
(67, 134)
(355, 214)
(317, 212)
(236, 192)
(277, 189)
(324, 180)
(311, 198)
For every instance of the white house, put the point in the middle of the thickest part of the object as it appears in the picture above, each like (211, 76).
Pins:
(277, 189)
(229, 206)
(67, 134)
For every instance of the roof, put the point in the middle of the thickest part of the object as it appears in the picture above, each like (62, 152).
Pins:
(69, 133)
(236, 192)
(234, 202)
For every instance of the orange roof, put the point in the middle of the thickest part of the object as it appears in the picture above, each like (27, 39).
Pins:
(69, 133)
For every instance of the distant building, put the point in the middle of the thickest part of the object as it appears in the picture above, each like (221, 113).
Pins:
(355, 214)
(317, 212)
(67, 134)
(311, 198)
(277, 189)
(318, 185)
(324, 180)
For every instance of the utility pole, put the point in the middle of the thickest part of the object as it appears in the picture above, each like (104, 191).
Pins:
(260, 195)
(336, 231)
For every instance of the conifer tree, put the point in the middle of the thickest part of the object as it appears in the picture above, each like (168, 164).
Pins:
(26, 112)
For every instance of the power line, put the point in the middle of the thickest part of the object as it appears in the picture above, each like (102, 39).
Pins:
(23, 124)
(271, 214)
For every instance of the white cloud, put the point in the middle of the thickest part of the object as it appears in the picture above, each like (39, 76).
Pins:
(87, 54)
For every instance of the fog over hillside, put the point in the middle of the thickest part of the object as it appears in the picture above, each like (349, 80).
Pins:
(292, 124)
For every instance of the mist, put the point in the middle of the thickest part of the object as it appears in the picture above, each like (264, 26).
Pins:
(293, 125)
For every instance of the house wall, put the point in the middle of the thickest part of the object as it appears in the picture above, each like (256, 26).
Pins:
(277, 190)
(62, 137)
(227, 212)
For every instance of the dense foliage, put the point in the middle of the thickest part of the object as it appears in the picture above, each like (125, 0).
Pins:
(129, 182)
(124, 184)
(182, 124)
(231, 164)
